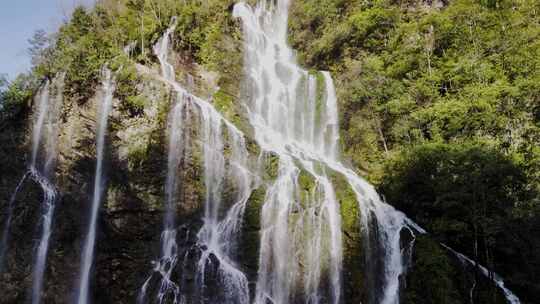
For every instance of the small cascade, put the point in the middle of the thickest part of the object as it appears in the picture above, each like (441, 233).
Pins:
(48, 205)
(216, 238)
(161, 50)
(389, 224)
(301, 244)
(511, 298)
(89, 245)
(169, 248)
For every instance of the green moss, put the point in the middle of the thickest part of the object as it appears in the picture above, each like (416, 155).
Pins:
(164, 107)
(135, 103)
(225, 103)
(350, 211)
(127, 83)
(320, 97)
(271, 167)
(320, 88)
(252, 147)
(308, 186)
(251, 232)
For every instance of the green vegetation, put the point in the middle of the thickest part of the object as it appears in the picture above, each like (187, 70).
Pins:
(13, 96)
(408, 73)
(471, 197)
(121, 33)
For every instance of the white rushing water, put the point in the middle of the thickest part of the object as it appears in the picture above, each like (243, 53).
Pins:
(48, 103)
(300, 239)
(169, 248)
(216, 238)
(90, 240)
(48, 205)
(45, 134)
(291, 120)
(43, 159)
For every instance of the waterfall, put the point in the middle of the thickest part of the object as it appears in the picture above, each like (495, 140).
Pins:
(42, 162)
(217, 236)
(44, 137)
(161, 50)
(89, 245)
(290, 120)
(169, 248)
(49, 197)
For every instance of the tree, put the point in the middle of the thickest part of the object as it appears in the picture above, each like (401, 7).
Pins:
(38, 44)
(472, 197)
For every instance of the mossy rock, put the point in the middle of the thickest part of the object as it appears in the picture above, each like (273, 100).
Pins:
(353, 268)
(250, 236)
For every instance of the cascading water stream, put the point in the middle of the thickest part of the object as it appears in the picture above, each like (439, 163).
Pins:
(161, 50)
(89, 245)
(291, 121)
(169, 248)
(44, 140)
(48, 205)
(42, 163)
(48, 114)
(216, 237)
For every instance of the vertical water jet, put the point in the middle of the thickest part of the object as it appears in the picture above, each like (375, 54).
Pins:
(87, 257)
(41, 170)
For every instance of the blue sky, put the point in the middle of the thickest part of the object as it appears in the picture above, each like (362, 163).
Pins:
(19, 19)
